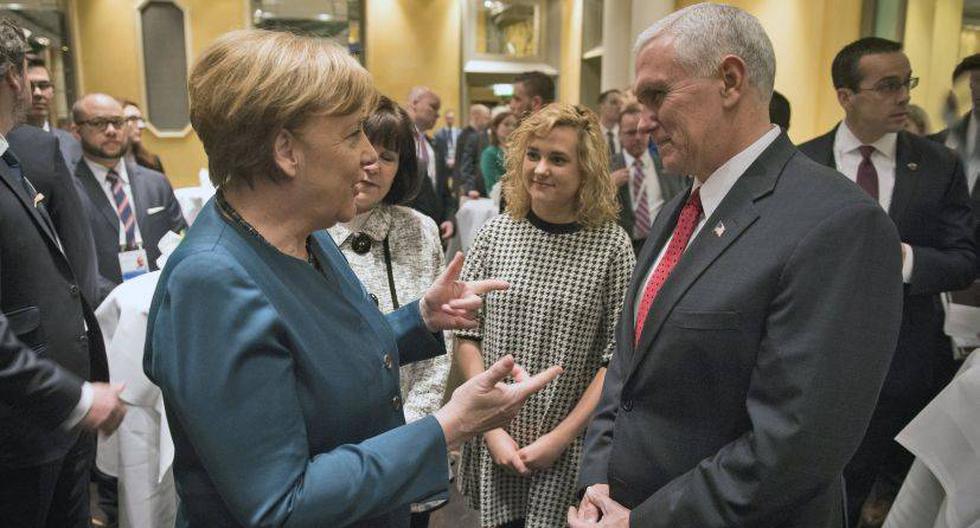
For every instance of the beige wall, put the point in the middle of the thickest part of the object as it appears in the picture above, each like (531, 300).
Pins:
(415, 42)
(806, 34)
(932, 42)
(107, 47)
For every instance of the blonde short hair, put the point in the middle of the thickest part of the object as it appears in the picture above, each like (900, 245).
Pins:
(597, 201)
(252, 83)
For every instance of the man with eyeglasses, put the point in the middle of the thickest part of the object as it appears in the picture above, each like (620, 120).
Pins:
(39, 115)
(129, 207)
(922, 187)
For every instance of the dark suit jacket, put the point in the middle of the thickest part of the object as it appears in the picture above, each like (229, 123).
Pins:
(45, 309)
(670, 186)
(33, 387)
(71, 149)
(958, 133)
(760, 359)
(151, 191)
(931, 210)
(43, 165)
(437, 203)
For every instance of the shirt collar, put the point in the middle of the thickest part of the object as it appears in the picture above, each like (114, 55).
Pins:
(3, 145)
(846, 142)
(47, 126)
(716, 187)
(645, 158)
(374, 223)
(100, 172)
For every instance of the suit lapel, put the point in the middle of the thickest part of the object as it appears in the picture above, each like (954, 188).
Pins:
(39, 216)
(736, 212)
(907, 167)
(140, 199)
(96, 196)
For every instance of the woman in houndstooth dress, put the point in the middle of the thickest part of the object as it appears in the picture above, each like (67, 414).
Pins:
(568, 263)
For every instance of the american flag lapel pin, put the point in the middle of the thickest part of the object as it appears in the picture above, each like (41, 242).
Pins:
(719, 229)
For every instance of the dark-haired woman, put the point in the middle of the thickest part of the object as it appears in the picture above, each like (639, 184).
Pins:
(395, 251)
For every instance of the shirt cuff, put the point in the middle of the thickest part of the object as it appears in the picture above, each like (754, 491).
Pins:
(81, 408)
(907, 262)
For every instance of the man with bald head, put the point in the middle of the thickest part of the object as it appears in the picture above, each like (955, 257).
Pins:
(435, 198)
(471, 142)
(129, 207)
(762, 313)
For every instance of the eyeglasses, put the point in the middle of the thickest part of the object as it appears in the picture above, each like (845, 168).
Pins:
(102, 123)
(41, 85)
(892, 86)
(135, 120)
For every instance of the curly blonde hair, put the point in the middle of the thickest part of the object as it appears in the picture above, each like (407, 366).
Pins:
(596, 201)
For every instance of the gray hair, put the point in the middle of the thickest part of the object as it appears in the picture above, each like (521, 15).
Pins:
(705, 33)
(13, 47)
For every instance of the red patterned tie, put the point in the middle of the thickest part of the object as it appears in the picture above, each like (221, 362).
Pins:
(686, 223)
(641, 217)
(867, 176)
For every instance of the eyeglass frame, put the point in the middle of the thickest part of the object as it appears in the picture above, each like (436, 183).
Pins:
(102, 124)
(35, 85)
(889, 87)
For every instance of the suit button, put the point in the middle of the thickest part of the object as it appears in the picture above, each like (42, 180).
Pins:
(374, 299)
(83, 338)
(73, 289)
(396, 402)
(388, 361)
(627, 405)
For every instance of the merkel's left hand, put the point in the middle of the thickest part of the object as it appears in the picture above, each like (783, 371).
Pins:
(613, 514)
(542, 453)
(453, 304)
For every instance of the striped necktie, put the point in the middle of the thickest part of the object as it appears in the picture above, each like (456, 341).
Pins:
(641, 215)
(123, 208)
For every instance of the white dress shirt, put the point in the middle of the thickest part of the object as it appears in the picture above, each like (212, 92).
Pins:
(713, 191)
(655, 197)
(86, 396)
(100, 173)
(848, 157)
(615, 135)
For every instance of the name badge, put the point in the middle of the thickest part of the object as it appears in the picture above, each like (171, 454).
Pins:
(133, 263)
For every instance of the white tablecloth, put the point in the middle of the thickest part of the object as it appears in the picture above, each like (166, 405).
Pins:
(942, 489)
(141, 452)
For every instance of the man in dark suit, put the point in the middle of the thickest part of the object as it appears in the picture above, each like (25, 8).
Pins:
(39, 115)
(470, 144)
(42, 163)
(644, 185)
(762, 313)
(44, 457)
(128, 206)
(435, 198)
(921, 186)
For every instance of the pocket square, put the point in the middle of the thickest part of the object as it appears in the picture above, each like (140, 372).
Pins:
(154, 210)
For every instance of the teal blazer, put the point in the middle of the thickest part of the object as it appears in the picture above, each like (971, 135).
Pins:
(281, 387)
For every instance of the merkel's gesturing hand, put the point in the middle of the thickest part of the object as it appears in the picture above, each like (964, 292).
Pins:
(451, 303)
(485, 402)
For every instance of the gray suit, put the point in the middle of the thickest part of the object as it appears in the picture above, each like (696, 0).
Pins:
(760, 359)
(71, 149)
(151, 190)
(670, 186)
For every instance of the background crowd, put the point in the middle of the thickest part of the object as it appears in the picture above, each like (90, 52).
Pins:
(743, 326)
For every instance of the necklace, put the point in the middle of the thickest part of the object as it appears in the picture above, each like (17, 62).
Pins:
(229, 212)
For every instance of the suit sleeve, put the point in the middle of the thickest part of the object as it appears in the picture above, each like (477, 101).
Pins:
(949, 264)
(33, 387)
(220, 355)
(829, 335)
(174, 214)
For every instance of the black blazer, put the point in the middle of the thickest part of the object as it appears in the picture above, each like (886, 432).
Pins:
(931, 209)
(761, 357)
(45, 309)
(42, 164)
(35, 388)
(670, 186)
(958, 135)
(152, 194)
(71, 149)
(437, 203)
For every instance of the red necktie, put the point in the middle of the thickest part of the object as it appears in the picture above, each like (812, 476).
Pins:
(686, 223)
(867, 176)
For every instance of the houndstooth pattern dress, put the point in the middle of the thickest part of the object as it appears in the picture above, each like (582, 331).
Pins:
(566, 292)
